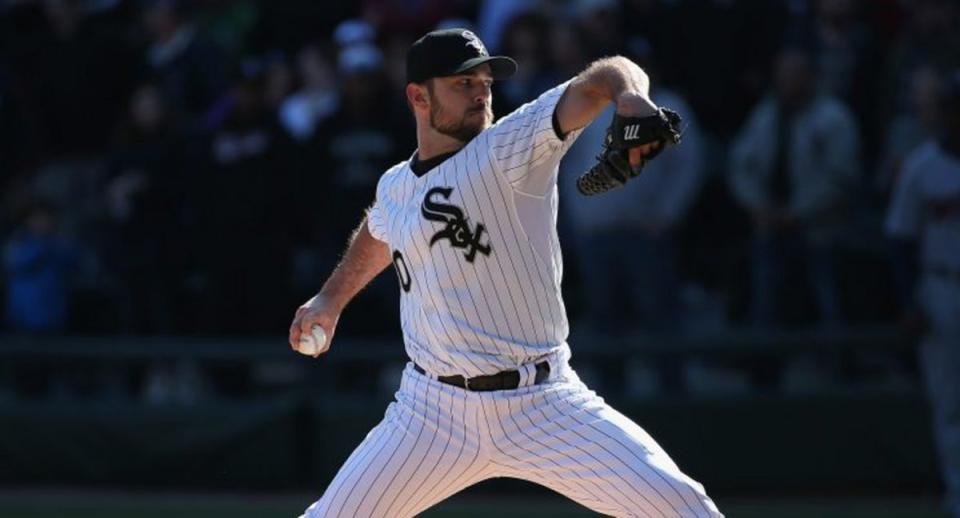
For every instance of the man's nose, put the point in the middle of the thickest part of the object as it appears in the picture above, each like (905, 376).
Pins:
(482, 95)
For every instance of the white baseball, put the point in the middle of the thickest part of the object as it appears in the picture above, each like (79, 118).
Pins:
(314, 343)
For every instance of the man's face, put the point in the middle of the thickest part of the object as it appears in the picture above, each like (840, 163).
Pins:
(460, 106)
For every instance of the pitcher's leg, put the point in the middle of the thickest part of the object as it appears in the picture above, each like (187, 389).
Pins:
(417, 456)
(526, 456)
(604, 455)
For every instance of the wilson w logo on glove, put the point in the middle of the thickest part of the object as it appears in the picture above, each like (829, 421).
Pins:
(613, 167)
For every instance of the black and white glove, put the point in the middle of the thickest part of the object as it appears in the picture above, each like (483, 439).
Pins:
(613, 168)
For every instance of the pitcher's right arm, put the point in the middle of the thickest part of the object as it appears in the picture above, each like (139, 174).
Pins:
(364, 259)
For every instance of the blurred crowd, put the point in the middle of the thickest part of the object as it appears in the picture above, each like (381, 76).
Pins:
(180, 167)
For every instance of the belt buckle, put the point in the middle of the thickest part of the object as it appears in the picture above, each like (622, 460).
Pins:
(466, 383)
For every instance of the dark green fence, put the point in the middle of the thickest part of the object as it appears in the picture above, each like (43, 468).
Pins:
(290, 421)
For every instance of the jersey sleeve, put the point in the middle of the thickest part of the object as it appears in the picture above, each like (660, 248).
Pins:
(525, 145)
(376, 222)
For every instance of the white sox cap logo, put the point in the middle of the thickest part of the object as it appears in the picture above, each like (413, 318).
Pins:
(474, 41)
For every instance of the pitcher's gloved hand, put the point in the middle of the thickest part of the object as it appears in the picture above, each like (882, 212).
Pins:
(613, 168)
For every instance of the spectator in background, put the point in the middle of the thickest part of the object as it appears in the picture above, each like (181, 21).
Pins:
(39, 267)
(910, 128)
(191, 71)
(931, 37)
(70, 71)
(525, 39)
(315, 100)
(37, 264)
(792, 168)
(363, 137)
(246, 196)
(626, 239)
(302, 115)
(846, 56)
(354, 31)
(925, 211)
(146, 213)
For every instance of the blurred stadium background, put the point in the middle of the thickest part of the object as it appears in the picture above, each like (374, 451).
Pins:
(177, 176)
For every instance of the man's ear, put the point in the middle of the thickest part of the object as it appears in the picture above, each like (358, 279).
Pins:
(417, 96)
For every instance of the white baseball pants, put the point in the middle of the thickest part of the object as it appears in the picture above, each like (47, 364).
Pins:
(437, 439)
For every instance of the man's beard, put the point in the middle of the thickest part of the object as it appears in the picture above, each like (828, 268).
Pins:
(462, 130)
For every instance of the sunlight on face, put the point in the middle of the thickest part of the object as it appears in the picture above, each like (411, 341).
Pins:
(460, 106)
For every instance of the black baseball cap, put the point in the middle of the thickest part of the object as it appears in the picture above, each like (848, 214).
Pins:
(449, 52)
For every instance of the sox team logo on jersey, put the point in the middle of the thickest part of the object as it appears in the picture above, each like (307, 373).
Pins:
(456, 226)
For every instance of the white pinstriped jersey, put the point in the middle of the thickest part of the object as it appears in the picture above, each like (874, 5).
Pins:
(477, 257)
(926, 205)
(475, 247)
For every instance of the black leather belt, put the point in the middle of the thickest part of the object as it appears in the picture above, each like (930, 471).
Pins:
(505, 380)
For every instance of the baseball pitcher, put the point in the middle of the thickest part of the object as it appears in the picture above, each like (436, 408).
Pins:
(468, 223)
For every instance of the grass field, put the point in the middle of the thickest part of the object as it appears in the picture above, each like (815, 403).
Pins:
(84, 505)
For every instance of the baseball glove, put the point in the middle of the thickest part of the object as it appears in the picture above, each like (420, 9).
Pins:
(613, 168)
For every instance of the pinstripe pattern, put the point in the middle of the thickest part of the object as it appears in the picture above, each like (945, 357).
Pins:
(502, 309)
(436, 440)
(487, 312)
